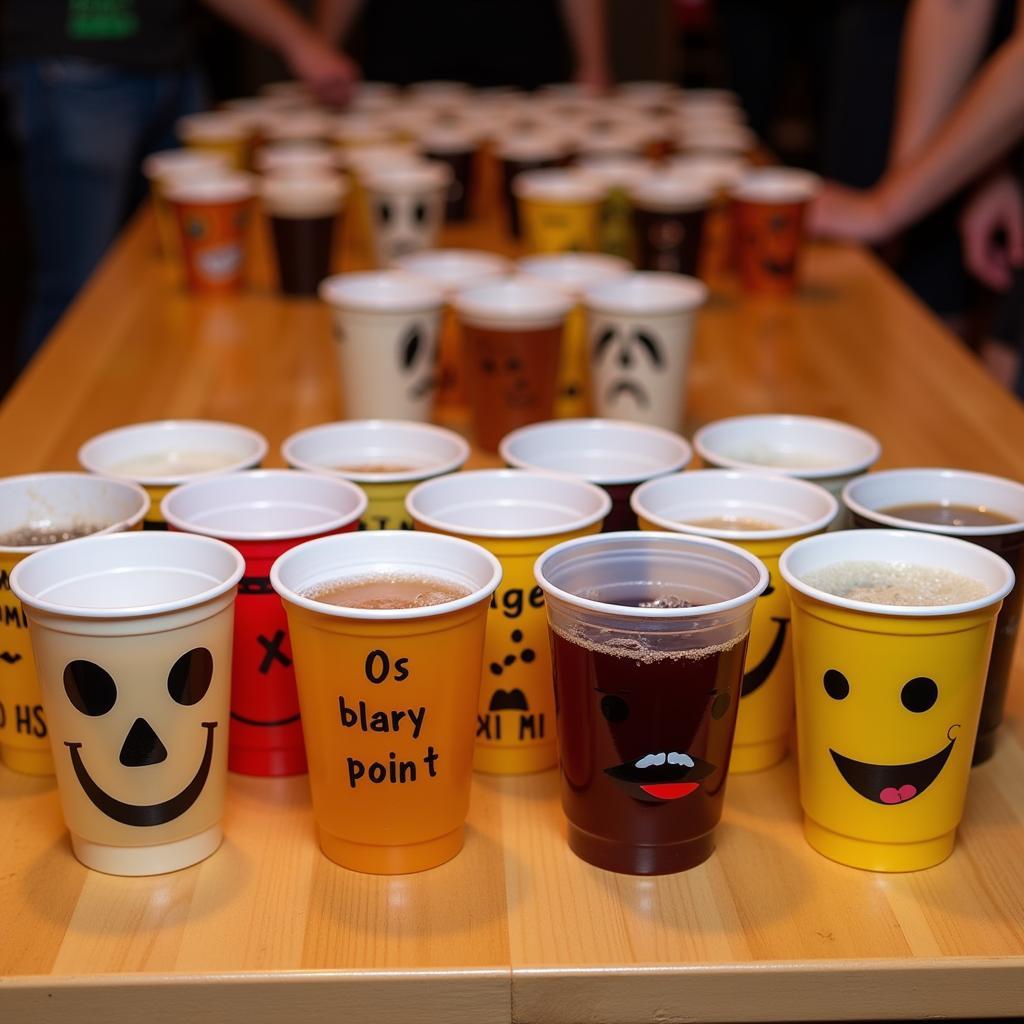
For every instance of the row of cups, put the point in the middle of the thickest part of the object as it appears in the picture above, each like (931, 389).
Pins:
(516, 516)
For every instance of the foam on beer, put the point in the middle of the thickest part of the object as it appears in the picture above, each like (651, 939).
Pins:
(896, 583)
(636, 649)
(387, 590)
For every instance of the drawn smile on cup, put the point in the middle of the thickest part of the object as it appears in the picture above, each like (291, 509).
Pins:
(93, 692)
(664, 775)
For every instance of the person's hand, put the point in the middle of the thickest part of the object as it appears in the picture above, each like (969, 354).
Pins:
(331, 75)
(992, 231)
(849, 215)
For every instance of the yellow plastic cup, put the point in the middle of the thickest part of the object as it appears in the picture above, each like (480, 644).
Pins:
(220, 131)
(729, 504)
(559, 209)
(164, 454)
(388, 697)
(51, 503)
(516, 516)
(573, 274)
(387, 458)
(888, 699)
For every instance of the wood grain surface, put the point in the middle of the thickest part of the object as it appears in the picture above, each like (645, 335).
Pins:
(515, 928)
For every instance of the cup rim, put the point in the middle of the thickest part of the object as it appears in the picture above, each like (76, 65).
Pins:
(598, 425)
(415, 176)
(573, 272)
(226, 187)
(557, 185)
(871, 443)
(897, 610)
(636, 503)
(460, 444)
(374, 291)
(328, 186)
(241, 534)
(87, 461)
(165, 161)
(581, 522)
(517, 300)
(138, 611)
(477, 265)
(899, 523)
(120, 526)
(775, 185)
(631, 294)
(387, 614)
(625, 611)
(672, 192)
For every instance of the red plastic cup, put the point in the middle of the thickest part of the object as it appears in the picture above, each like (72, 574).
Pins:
(263, 514)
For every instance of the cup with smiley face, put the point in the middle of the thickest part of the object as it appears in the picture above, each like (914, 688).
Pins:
(648, 635)
(132, 639)
(762, 514)
(386, 325)
(512, 341)
(640, 331)
(892, 633)
(264, 513)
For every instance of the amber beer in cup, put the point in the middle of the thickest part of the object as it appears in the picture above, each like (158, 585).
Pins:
(769, 207)
(648, 634)
(512, 336)
(387, 631)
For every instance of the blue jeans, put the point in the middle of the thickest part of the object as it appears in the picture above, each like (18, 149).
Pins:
(83, 128)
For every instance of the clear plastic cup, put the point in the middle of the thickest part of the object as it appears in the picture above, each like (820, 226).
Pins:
(648, 634)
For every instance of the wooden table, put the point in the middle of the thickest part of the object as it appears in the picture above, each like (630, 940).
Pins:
(515, 928)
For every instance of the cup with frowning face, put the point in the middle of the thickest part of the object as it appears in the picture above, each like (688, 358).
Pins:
(388, 692)
(828, 452)
(166, 453)
(386, 458)
(892, 632)
(165, 168)
(574, 273)
(559, 210)
(36, 511)
(263, 514)
(615, 454)
(407, 207)
(132, 640)
(769, 208)
(515, 515)
(762, 514)
(640, 332)
(512, 337)
(386, 325)
(213, 224)
(985, 510)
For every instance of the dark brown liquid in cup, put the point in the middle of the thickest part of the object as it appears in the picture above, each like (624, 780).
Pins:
(669, 242)
(303, 246)
(460, 190)
(948, 515)
(614, 712)
(621, 516)
(512, 377)
(1010, 547)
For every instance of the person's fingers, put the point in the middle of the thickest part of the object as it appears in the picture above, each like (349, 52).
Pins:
(976, 232)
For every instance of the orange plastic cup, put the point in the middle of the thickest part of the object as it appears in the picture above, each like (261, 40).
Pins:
(388, 696)
(213, 218)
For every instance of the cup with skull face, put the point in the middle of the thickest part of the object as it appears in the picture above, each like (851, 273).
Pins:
(132, 639)
(640, 331)
(407, 208)
(386, 325)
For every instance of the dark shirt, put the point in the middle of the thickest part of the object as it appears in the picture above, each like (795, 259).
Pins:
(483, 42)
(143, 34)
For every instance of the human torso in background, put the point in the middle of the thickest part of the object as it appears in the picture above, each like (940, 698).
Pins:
(130, 33)
(484, 42)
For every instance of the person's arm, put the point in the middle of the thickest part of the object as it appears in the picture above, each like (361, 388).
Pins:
(992, 229)
(942, 45)
(275, 24)
(333, 18)
(984, 125)
(585, 23)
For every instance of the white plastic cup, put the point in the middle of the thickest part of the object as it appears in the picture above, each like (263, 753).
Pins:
(615, 454)
(719, 172)
(387, 458)
(386, 325)
(452, 270)
(297, 158)
(165, 453)
(224, 131)
(406, 205)
(132, 639)
(640, 331)
(828, 452)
